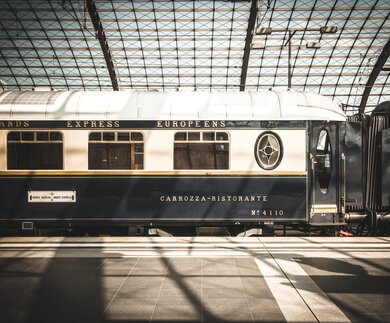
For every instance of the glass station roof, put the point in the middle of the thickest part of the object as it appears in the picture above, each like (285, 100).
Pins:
(199, 45)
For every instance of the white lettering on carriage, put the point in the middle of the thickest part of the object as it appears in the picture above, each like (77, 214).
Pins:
(214, 198)
(191, 124)
(14, 124)
(92, 124)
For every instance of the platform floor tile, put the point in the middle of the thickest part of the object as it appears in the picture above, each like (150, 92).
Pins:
(359, 287)
(135, 290)
(150, 279)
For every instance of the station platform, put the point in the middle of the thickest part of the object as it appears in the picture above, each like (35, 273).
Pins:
(200, 279)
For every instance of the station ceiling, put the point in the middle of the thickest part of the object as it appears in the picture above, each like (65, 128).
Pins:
(199, 45)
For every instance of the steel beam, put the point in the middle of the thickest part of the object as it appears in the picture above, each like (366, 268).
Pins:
(378, 67)
(97, 24)
(248, 41)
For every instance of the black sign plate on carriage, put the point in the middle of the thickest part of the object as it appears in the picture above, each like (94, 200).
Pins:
(162, 124)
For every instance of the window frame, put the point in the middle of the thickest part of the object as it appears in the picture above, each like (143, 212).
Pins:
(119, 142)
(35, 132)
(256, 150)
(326, 152)
(200, 141)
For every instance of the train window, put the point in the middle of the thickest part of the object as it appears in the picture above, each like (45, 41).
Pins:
(200, 150)
(116, 150)
(55, 135)
(15, 135)
(28, 136)
(137, 136)
(95, 136)
(193, 136)
(108, 136)
(324, 161)
(222, 136)
(180, 136)
(43, 136)
(34, 150)
(123, 136)
(268, 150)
(209, 136)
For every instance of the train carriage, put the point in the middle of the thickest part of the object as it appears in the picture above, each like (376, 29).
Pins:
(156, 159)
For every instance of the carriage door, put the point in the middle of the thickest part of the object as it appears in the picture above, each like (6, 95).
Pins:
(325, 173)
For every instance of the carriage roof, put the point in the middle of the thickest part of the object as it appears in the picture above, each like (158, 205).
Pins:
(137, 105)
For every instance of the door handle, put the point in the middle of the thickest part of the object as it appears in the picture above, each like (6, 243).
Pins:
(344, 188)
(313, 196)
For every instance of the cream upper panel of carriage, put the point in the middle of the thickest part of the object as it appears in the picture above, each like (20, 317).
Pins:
(241, 150)
(291, 152)
(262, 105)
